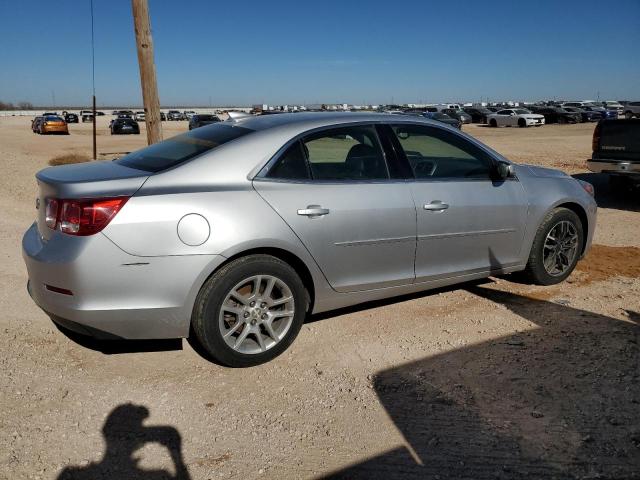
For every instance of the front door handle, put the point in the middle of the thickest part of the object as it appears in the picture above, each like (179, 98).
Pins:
(436, 206)
(313, 211)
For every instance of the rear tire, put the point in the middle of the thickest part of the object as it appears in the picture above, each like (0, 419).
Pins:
(238, 317)
(554, 256)
(493, 123)
(628, 115)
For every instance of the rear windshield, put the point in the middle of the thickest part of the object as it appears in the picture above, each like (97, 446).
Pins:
(206, 118)
(182, 148)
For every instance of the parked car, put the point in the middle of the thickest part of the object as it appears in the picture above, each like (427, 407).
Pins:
(122, 126)
(558, 115)
(614, 105)
(187, 114)
(606, 114)
(512, 117)
(443, 118)
(50, 114)
(478, 114)
(212, 232)
(71, 118)
(125, 115)
(632, 109)
(35, 124)
(494, 109)
(163, 117)
(458, 114)
(616, 151)
(585, 115)
(52, 124)
(201, 120)
(174, 115)
(139, 116)
(87, 117)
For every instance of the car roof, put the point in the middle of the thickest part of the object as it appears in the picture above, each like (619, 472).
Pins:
(309, 120)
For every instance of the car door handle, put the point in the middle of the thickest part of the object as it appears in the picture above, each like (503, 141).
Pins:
(313, 211)
(436, 206)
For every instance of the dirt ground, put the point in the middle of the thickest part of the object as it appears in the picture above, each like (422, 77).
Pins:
(493, 379)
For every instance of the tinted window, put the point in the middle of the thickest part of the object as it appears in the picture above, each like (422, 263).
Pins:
(348, 153)
(291, 165)
(436, 153)
(504, 112)
(181, 148)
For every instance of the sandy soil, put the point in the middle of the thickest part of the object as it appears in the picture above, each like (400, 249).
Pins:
(493, 379)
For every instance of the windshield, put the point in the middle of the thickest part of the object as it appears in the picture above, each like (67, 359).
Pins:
(181, 148)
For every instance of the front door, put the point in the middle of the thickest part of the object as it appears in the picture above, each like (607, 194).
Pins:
(466, 222)
(334, 190)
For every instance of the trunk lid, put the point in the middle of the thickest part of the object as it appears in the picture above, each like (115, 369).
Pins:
(85, 180)
(618, 140)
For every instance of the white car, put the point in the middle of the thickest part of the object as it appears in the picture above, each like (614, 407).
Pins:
(515, 117)
(139, 117)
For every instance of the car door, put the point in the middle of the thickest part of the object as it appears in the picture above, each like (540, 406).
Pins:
(466, 222)
(507, 118)
(334, 189)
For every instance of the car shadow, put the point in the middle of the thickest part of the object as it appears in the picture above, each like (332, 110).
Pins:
(559, 401)
(606, 197)
(124, 434)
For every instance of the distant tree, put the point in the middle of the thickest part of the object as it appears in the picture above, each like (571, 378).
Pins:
(25, 106)
(6, 106)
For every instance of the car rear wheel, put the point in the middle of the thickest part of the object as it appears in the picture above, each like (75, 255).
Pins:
(493, 123)
(628, 115)
(250, 311)
(522, 123)
(556, 247)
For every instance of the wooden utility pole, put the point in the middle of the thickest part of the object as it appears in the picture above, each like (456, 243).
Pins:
(150, 97)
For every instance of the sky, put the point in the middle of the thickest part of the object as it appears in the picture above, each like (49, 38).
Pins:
(306, 52)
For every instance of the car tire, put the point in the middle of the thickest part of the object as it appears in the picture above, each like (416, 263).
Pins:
(493, 123)
(547, 266)
(628, 115)
(522, 123)
(233, 330)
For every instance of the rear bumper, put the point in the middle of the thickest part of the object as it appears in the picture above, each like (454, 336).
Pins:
(611, 166)
(112, 294)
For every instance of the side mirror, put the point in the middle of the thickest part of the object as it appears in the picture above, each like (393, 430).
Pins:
(504, 170)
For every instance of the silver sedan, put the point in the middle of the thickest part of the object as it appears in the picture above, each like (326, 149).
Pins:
(238, 230)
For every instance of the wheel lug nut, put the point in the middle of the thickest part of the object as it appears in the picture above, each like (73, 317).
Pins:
(252, 304)
(246, 314)
(263, 305)
(264, 316)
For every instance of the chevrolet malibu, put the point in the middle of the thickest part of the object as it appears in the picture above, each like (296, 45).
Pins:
(235, 231)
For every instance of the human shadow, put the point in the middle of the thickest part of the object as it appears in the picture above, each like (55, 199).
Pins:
(124, 433)
(559, 401)
(609, 197)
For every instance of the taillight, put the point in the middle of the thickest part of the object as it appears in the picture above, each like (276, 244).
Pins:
(82, 217)
(595, 143)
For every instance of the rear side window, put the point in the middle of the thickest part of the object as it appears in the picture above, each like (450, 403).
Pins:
(182, 148)
(346, 153)
(292, 164)
(437, 154)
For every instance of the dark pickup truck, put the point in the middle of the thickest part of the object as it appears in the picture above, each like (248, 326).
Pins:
(616, 151)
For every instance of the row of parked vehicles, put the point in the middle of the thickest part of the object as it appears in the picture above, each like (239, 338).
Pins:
(531, 115)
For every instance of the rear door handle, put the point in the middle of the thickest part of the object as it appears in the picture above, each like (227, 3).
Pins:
(436, 206)
(313, 211)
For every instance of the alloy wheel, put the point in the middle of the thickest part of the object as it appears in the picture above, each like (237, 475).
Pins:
(256, 314)
(560, 248)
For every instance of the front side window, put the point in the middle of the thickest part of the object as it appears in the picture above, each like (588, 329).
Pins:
(346, 153)
(437, 154)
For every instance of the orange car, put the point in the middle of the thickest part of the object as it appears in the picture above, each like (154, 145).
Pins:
(52, 124)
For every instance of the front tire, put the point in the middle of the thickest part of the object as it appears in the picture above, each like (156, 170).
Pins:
(556, 247)
(522, 123)
(628, 115)
(249, 311)
(493, 123)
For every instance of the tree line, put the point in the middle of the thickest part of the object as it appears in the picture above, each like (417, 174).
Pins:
(17, 106)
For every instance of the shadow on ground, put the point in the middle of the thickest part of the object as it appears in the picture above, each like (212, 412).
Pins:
(607, 197)
(561, 401)
(124, 434)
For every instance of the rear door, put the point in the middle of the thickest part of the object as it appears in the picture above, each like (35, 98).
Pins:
(335, 190)
(466, 222)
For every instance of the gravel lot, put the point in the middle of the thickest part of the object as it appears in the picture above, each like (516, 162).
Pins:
(493, 379)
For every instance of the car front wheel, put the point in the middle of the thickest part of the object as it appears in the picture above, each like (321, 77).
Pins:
(556, 247)
(493, 123)
(249, 311)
